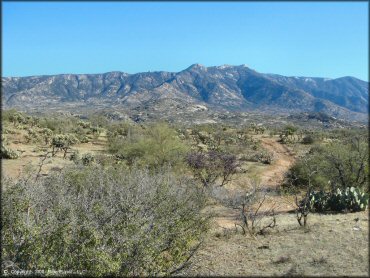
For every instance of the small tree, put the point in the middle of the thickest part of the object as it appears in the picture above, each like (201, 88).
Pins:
(155, 147)
(208, 167)
(63, 142)
(46, 134)
(252, 217)
(17, 118)
(303, 204)
(339, 165)
(287, 134)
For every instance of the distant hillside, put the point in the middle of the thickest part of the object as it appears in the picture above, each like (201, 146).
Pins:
(231, 88)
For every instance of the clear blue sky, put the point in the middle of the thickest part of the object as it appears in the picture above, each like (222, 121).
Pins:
(323, 39)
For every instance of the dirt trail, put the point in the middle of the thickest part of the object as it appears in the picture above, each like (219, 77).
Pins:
(271, 177)
(283, 159)
(226, 252)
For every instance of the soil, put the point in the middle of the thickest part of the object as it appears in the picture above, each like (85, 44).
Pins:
(331, 244)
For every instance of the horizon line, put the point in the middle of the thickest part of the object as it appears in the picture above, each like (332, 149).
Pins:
(192, 65)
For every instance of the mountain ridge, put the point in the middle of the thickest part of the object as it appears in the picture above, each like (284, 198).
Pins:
(234, 88)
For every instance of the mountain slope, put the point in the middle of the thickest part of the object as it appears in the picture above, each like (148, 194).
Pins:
(348, 92)
(234, 88)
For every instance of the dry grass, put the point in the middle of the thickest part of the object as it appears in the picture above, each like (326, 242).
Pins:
(332, 245)
(31, 155)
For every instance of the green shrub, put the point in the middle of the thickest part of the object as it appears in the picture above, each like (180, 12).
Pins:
(338, 165)
(84, 124)
(62, 125)
(83, 139)
(16, 118)
(104, 221)
(87, 159)
(75, 157)
(154, 147)
(123, 129)
(32, 135)
(8, 153)
(308, 139)
(46, 134)
(264, 157)
(104, 160)
(3, 138)
(63, 142)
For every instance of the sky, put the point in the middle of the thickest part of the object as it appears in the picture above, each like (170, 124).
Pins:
(322, 39)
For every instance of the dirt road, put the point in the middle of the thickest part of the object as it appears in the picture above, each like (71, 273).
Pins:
(230, 253)
(271, 177)
(283, 160)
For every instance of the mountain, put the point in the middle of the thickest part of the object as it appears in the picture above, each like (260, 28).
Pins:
(230, 88)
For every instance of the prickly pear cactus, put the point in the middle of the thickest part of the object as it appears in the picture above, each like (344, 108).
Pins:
(351, 199)
(319, 201)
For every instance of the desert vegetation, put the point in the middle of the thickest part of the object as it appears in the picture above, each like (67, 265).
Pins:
(99, 196)
(102, 221)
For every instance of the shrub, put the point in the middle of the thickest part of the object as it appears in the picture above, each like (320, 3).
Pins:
(32, 135)
(256, 215)
(289, 130)
(8, 153)
(75, 157)
(264, 157)
(87, 159)
(3, 138)
(154, 147)
(339, 165)
(123, 129)
(63, 142)
(308, 139)
(84, 124)
(61, 125)
(46, 134)
(208, 167)
(16, 117)
(83, 139)
(104, 160)
(105, 221)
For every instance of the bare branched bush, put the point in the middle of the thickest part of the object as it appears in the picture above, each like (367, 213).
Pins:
(208, 167)
(302, 202)
(254, 217)
(256, 214)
